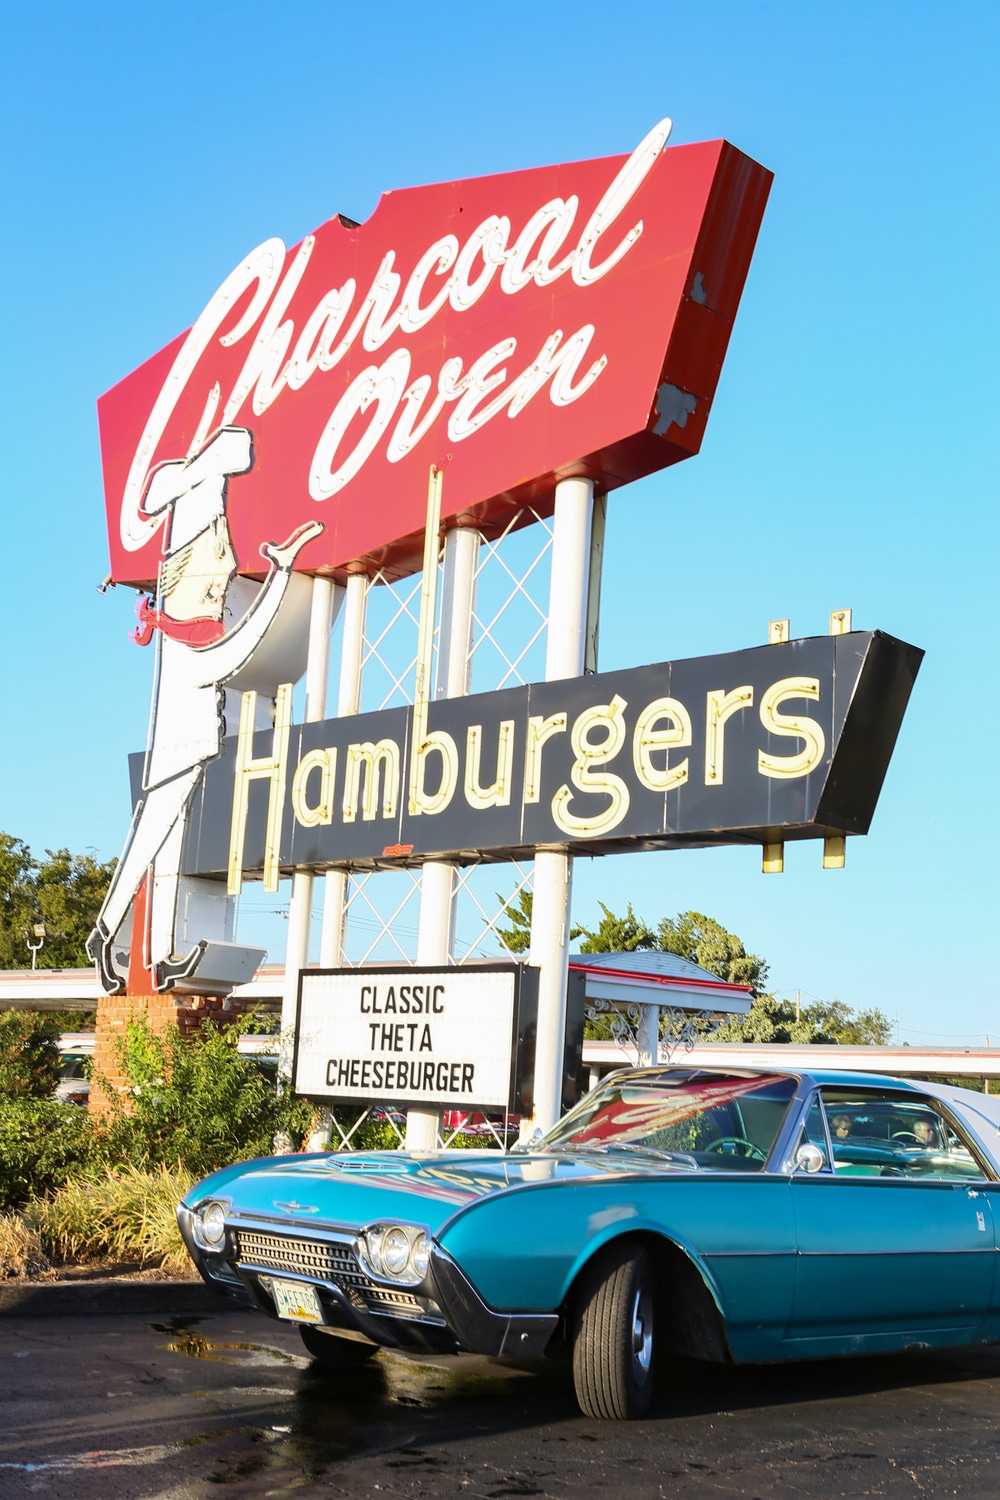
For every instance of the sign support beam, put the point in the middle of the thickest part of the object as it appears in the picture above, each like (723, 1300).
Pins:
(436, 929)
(331, 942)
(327, 598)
(565, 655)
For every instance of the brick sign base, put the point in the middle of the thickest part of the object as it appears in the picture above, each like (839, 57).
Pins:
(187, 1012)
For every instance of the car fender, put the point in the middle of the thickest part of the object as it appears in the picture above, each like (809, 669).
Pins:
(646, 1229)
(524, 1249)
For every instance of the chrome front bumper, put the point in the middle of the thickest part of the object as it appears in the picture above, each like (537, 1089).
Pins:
(443, 1313)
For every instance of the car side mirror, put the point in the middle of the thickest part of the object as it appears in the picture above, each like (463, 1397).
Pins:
(530, 1142)
(809, 1158)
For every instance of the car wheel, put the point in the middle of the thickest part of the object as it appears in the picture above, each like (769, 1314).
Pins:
(615, 1345)
(332, 1349)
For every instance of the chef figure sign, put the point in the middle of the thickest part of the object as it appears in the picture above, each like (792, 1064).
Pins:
(197, 658)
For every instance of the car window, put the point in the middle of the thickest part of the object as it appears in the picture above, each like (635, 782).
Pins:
(726, 1122)
(882, 1133)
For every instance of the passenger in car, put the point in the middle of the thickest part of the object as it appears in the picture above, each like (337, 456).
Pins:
(840, 1125)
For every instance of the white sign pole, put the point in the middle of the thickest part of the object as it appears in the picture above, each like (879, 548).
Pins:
(553, 885)
(331, 936)
(331, 942)
(435, 932)
(326, 599)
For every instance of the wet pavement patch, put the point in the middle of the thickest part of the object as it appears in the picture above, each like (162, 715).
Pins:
(196, 1346)
(231, 1404)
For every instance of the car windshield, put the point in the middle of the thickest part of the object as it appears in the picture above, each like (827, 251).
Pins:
(714, 1121)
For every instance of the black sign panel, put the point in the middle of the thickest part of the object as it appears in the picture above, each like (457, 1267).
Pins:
(778, 742)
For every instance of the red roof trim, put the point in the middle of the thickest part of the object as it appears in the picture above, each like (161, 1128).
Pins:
(665, 979)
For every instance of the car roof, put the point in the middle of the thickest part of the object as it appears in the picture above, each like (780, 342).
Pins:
(979, 1112)
(822, 1077)
(831, 1078)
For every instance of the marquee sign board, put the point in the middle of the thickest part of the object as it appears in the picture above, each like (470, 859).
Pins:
(474, 342)
(511, 330)
(777, 742)
(494, 335)
(440, 1036)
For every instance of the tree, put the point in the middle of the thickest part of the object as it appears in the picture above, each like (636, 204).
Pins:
(64, 891)
(517, 937)
(625, 934)
(833, 1021)
(29, 1055)
(706, 942)
(769, 1020)
(17, 906)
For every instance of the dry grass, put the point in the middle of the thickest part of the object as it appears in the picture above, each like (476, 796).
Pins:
(21, 1252)
(126, 1215)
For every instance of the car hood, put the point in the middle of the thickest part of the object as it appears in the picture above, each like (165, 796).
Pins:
(351, 1190)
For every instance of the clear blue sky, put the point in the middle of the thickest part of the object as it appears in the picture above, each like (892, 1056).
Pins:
(851, 454)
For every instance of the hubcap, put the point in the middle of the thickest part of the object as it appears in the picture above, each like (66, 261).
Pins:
(642, 1335)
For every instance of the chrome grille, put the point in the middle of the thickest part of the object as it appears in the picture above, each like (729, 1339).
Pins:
(328, 1261)
(320, 1258)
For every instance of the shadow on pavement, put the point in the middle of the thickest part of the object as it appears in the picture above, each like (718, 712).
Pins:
(398, 1407)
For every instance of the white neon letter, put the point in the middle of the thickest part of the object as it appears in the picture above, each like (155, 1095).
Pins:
(380, 383)
(262, 266)
(624, 188)
(490, 241)
(439, 258)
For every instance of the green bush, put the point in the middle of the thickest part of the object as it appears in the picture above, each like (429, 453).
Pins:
(29, 1054)
(373, 1135)
(21, 1249)
(42, 1143)
(195, 1102)
(122, 1215)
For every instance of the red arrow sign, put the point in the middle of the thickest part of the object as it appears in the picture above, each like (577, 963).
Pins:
(512, 330)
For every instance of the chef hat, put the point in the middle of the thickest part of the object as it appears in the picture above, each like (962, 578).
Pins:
(196, 487)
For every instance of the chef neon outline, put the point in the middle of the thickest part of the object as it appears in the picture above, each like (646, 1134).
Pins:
(196, 657)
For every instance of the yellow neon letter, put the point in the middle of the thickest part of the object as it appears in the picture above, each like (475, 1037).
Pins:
(539, 730)
(247, 769)
(721, 707)
(587, 778)
(371, 758)
(420, 800)
(812, 752)
(325, 761)
(647, 739)
(497, 795)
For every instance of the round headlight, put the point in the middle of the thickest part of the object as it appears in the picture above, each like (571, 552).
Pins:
(420, 1255)
(395, 1252)
(213, 1223)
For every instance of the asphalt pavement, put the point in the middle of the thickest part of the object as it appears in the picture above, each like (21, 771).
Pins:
(121, 1407)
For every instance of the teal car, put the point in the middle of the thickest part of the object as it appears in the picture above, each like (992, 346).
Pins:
(730, 1215)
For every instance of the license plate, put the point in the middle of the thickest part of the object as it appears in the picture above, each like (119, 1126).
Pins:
(296, 1300)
